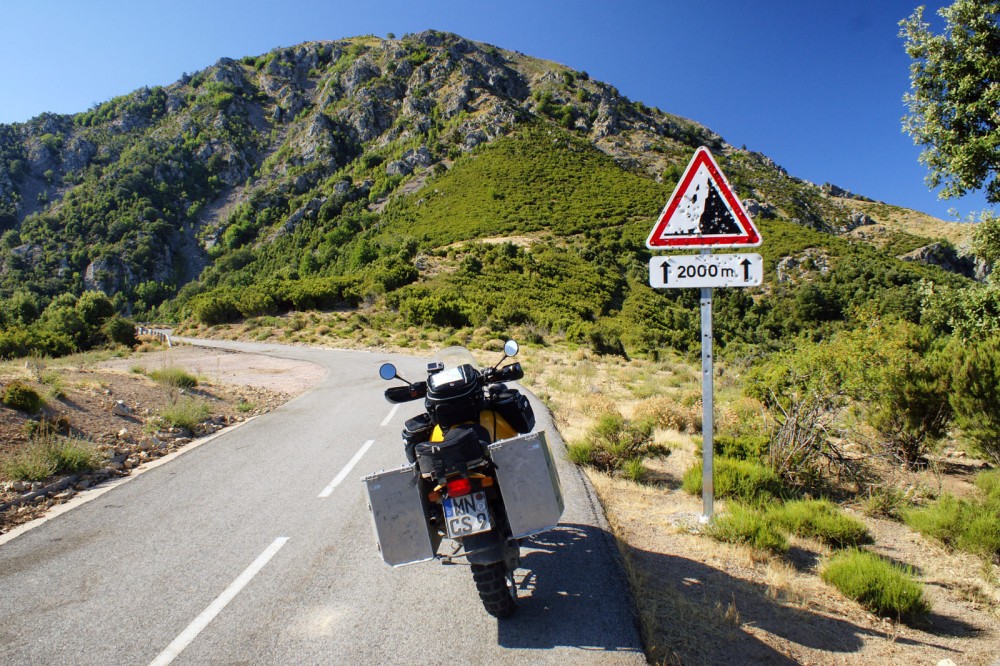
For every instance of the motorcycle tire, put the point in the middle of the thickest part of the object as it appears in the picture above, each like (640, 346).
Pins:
(497, 591)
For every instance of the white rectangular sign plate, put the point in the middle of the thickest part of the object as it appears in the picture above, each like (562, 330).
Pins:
(706, 270)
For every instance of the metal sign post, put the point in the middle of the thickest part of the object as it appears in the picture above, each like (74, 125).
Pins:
(704, 213)
(707, 405)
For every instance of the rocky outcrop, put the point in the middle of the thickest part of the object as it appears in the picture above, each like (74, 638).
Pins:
(792, 268)
(944, 256)
(758, 209)
(855, 220)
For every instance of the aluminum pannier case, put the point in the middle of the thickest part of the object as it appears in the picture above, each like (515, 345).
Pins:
(399, 515)
(528, 482)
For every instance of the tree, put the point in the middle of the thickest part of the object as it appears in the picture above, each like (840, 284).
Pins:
(955, 81)
(975, 393)
(986, 242)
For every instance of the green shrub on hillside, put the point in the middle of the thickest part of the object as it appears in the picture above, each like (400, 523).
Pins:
(744, 480)
(942, 520)
(215, 309)
(971, 525)
(821, 520)
(742, 447)
(67, 324)
(907, 395)
(49, 453)
(899, 382)
(186, 413)
(989, 483)
(22, 397)
(882, 587)
(745, 525)
(975, 393)
(119, 330)
(615, 444)
(173, 376)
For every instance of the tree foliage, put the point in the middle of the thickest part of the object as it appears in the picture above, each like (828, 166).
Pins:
(975, 393)
(955, 81)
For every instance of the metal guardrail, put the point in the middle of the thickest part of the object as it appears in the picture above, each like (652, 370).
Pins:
(160, 336)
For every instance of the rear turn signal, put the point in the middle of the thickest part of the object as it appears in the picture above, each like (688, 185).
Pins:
(459, 487)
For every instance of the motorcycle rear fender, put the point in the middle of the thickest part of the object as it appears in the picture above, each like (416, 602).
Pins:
(490, 547)
(484, 548)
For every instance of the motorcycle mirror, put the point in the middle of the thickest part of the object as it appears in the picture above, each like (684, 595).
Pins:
(387, 371)
(510, 348)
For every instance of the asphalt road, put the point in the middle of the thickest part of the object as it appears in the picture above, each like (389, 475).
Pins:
(257, 548)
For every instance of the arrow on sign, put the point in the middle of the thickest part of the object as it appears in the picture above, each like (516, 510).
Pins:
(706, 270)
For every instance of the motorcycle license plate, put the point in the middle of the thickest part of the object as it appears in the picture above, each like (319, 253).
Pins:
(466, 515)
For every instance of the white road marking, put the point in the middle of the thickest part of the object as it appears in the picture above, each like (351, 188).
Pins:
(392, 412)
(347, 470)
(214, 608)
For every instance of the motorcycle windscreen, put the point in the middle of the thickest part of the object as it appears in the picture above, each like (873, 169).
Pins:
(529, 483)
(399, 515)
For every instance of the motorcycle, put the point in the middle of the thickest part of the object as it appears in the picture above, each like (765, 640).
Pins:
(476, 474)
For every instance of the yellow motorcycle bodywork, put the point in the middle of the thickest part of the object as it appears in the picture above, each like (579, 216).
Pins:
(494, 423)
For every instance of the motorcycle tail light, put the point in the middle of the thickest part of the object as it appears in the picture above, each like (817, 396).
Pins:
(459, 487)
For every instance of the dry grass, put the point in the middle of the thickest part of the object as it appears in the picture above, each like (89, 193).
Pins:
(914, 222)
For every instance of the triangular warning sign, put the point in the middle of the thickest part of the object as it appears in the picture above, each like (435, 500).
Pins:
(703, 211)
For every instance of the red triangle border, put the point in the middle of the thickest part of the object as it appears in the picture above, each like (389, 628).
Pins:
(750, 236)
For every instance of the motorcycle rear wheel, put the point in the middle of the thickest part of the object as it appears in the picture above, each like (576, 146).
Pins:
(497, 591)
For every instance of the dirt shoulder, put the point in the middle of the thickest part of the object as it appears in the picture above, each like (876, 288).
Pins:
(113, 403)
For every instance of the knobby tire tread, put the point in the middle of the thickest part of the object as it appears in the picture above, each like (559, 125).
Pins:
(491, 582)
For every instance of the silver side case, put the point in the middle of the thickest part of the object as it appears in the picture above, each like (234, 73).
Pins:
(528, 482)
(399, 515)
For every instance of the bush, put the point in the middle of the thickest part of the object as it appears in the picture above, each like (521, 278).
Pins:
(749, 526)
(981, 534)
(941, 520)
(16, 343)
(633, 470)
(885, 501)
(743, 480)
(120, 331)
(215, 309)
(48, 453)
(670, 414)
(821, 520)
(975, 393)
(186, 414)
(742, 447)
(989, 483)
(969, 525)
(882, 587)
(174, 376)
(908, 399)
(615, 444)
(22, 397)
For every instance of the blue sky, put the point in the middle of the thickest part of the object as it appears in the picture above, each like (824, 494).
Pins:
(816, 86)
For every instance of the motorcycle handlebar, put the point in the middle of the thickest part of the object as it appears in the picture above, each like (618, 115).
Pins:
(398, 394)
(508, 373)
(410, 392)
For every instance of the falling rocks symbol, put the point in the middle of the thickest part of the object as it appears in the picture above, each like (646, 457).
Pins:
(717, 220)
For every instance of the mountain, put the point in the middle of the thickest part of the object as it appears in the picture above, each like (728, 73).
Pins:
(356, 172)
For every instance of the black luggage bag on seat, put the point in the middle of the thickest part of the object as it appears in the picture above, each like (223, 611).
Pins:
(461, 449)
